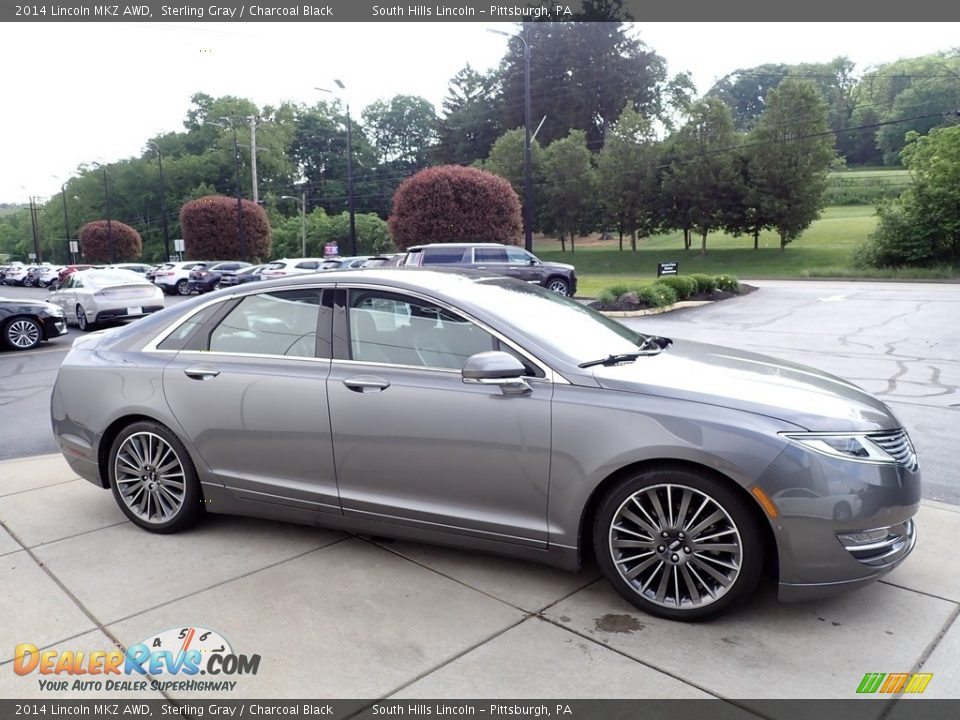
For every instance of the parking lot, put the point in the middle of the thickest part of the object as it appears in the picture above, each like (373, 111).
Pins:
(335, 615)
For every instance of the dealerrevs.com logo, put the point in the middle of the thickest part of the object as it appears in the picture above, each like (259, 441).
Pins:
(893, 683)
(178, 659)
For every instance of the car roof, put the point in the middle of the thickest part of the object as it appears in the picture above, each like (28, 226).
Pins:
(459, 245)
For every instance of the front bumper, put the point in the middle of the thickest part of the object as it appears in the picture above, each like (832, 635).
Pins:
(841, 524)
(54, 326)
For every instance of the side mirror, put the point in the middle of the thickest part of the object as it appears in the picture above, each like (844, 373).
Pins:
(496, 368)
(534, 261)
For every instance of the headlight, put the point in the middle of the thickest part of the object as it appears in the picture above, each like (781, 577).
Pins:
(849, 446)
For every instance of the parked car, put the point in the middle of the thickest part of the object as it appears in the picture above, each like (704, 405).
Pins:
(92, 297)
(48, 275)
(141, 268)
(15, 274)
(24, 324)
(243, 276)
(385, 260)
(174, 277)
(344, 263)
(543, 430)
(32, 278)
(208, 277)
(503, 259)
(291, 266)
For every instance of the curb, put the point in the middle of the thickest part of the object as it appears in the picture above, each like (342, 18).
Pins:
(656, 311)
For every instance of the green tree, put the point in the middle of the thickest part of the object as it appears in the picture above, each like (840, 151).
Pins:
(471, 122)
(791, 155)
(699, 183)
(402, 129)
(627, 178)
(568, 187)
(922, 227)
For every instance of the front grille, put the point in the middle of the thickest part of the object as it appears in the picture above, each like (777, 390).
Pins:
(882, 547)
(896, 443)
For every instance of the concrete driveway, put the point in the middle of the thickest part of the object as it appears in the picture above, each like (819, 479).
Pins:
(340, 616)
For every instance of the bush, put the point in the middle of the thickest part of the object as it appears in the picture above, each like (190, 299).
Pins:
(728, 283)
(96, 238)
(209, 227)
(705, 283)
(607, 296)
(450, 203)
(657, 295)
(619, 289)
(682, 285)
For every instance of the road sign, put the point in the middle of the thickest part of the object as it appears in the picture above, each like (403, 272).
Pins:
(74, 246)
(178, 245)
(668, 268)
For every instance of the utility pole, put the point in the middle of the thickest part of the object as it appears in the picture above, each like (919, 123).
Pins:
(38, 256)
(236, 160)
(163, 203)
(66, 222)
(253, 156)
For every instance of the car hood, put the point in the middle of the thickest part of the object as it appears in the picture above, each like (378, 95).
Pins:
(557, 265)
(755, 383)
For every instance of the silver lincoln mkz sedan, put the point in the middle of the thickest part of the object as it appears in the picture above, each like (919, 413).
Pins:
(486, 413)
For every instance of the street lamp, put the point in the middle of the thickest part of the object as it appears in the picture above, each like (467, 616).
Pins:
(106, 203)
(222, 123)
(527, 161)
(353, 224)
(302, 201)
(163, 202)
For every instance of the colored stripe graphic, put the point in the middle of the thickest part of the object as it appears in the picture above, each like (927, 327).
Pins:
(894, 682)
(870, 682)
(918, 683)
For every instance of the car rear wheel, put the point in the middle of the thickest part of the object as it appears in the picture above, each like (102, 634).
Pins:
(82, 322)
(678, 544)
(153, 480)
(182, 287)
(22, 333)
(559, 286)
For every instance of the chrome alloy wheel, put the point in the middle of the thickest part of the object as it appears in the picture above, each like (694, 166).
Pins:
(558, 285)
(150, 477)
(675, 546)
(23, 334)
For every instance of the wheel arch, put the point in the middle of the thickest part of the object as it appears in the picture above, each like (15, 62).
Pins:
(603, 488)
(110, 434)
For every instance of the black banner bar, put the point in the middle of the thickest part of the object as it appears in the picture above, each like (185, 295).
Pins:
(906, 708)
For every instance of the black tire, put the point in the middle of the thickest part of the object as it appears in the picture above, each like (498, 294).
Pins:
(182, 287)
(82, 322)
(676, 552)
(22, 333)
(558, 285)
(190, 510)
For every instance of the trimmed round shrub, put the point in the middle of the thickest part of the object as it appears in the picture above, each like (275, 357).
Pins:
(657, 295)
(728, 283)
(682, 285)
(96, 238)
(209, 227)
(450, 203)
(705, 283)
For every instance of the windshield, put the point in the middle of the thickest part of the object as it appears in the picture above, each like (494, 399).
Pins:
(103, 278)
(550, 319)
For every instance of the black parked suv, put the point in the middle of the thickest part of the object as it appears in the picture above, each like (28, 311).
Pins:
(503, 259)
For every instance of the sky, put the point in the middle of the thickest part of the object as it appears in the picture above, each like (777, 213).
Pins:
(74, 93)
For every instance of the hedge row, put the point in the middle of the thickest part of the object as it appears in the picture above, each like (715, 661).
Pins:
(670, 289)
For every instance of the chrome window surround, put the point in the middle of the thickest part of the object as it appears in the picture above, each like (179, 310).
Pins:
(550, 375)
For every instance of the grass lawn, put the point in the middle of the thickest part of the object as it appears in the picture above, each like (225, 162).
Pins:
(824, 250)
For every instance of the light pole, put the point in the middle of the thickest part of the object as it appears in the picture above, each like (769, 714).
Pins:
(222, 123)
(106, 203)
(66, 224)
(163, 202)
(527, 160)
(302, 200)
(353, 223)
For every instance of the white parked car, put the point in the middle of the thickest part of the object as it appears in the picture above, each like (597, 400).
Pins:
(48, 275)
(92, 297)
(174, 277)
(291, 266)
(16, 274)
(140, 268)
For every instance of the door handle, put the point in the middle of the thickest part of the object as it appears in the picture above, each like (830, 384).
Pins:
(366, 383)
(201, 372)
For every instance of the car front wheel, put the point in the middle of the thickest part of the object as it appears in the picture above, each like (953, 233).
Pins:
(558, 285)
(153, 480)
(22, 333)
(182, 287)
(82, 322)
(678, 544)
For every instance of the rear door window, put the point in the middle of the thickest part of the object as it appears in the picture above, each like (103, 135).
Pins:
(442, 256)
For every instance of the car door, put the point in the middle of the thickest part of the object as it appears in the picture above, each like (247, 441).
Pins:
(523, 264)
(249, 391)
(416, 445)
(64, 296)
